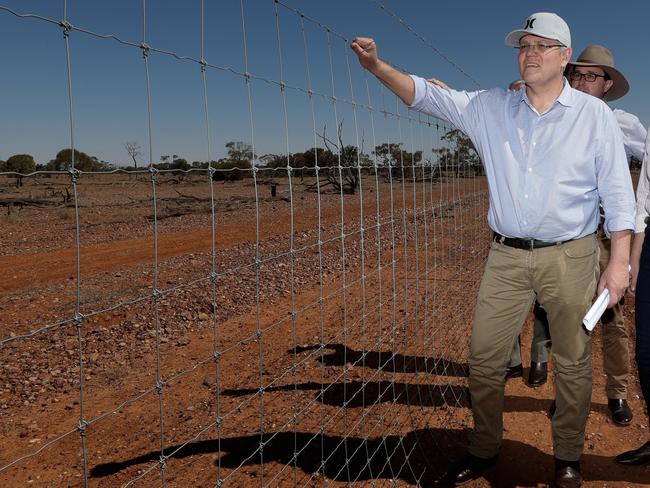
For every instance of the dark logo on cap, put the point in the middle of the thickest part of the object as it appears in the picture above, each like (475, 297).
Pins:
(529, 23)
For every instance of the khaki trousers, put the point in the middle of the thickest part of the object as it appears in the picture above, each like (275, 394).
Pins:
(563, 278)
(615, 337)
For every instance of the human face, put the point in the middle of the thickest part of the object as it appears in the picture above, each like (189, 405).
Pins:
(596, 88)
(539, 68)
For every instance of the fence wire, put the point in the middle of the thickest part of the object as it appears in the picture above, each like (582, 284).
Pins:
(290, 319)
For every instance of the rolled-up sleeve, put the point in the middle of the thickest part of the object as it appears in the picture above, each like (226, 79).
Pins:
(614, 180)
(643, 190)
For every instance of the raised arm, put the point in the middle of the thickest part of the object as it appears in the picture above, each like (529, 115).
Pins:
(400, 84)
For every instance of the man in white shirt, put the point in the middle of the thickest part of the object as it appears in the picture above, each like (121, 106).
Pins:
(594, 73)
(551, 154)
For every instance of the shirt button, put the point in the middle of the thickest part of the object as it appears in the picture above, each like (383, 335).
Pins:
(526, 195)
(530, 170)
(525, 223)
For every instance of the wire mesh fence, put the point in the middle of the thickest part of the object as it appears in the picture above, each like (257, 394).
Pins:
(288, 318)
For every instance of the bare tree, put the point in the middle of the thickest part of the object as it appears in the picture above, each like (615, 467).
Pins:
(134, 150)
(349, 158)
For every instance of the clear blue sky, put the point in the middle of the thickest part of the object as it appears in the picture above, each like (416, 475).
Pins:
(109, 82)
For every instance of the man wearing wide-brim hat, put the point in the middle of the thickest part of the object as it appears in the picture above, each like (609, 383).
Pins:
(613, 84)
(594, 73)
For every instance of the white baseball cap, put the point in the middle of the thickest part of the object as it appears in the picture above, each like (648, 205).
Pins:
(542, 24)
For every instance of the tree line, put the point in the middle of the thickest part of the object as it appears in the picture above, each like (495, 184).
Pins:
(341, 161)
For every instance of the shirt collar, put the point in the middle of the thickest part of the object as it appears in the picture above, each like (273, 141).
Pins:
(566, 97)
(567, 93)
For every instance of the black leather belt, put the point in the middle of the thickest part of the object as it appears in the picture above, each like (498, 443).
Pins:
(527, 244)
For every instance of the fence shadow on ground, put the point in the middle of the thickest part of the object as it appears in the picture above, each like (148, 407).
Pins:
(354, 459)
(387, 361)
(346, 459)
(353, 394)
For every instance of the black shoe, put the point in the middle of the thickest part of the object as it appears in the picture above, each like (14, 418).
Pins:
(468, 468)
(620, 410)
(567, 474)
(635, 458)
(538, 374)
(514, 371)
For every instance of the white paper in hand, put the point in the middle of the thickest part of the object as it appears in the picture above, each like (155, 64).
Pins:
(596, 310)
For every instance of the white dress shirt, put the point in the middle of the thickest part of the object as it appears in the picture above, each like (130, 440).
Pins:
(643, 190)
(634, 133)
(546, 172)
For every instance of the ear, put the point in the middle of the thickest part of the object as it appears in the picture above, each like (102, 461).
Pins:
(608, 85)
(566, 57)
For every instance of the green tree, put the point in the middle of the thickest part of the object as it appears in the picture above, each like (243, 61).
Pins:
(180, 163)
(320, 155)
(395, 156)
(20, 163)
(240, 152)
(164, 162)
(82, 162)
(460, 155)
(274, 160)
(238, 162)
(302, 160)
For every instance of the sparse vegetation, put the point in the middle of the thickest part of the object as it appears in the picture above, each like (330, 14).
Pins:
(82, 161)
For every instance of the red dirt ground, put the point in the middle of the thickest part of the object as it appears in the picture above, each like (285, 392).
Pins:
(384, 402)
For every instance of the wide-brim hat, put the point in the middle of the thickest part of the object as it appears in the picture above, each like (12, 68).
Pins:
(542, 24)
(600, 56)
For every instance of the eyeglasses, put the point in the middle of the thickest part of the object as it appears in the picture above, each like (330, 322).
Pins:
(540, 48)
(590, 77)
